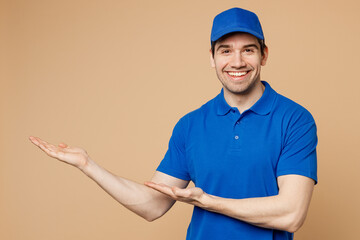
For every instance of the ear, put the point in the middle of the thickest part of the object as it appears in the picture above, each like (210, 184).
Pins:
(265, 56)
(212, 60)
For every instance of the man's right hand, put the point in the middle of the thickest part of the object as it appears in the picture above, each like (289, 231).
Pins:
(75, 156)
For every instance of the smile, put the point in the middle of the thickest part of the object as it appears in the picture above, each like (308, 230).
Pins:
(237, 74)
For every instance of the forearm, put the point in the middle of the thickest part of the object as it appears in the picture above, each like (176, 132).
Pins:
(285, 211)
(136, 197)
(142, 200)
(272, 212)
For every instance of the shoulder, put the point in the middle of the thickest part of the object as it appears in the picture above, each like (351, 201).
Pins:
(295, 122)
(197, 116)
(291, 112)
(203, 111)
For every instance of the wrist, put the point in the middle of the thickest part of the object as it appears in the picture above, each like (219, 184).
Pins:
(205, 201)
(210, 202)
(86, 165)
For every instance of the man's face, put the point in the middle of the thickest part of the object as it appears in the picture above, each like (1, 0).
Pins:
(237, 60)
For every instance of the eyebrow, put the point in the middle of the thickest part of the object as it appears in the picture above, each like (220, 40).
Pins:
(251, 45)
(222, 46)
(245, 46)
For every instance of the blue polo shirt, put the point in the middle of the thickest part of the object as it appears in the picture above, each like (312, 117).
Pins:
(233, 155)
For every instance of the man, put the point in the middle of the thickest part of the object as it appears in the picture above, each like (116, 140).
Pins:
(250, 151)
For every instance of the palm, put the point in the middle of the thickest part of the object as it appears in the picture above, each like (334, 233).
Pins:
(71, 155)
(190, 195)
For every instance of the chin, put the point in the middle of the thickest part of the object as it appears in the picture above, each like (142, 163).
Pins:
(240, 91)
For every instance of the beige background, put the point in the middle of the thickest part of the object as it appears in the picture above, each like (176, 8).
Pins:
(115, 76)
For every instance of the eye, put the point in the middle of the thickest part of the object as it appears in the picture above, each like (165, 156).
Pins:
(249, 50)
(225, 51)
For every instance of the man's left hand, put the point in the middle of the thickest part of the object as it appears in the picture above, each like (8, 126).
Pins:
(192, 195)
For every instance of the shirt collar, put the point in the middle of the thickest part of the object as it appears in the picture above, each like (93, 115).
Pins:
(262, 107)
(222, 106)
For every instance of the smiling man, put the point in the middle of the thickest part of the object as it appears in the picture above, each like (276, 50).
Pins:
(250, 151)
(237, 59)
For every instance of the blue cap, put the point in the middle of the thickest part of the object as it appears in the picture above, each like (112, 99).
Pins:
(236, 20)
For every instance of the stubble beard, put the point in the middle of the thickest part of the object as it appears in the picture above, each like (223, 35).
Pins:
(243, 90)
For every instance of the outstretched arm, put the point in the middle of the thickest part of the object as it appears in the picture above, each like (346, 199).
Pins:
(285, 211)
(144, 201)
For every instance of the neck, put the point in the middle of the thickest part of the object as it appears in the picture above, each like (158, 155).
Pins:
(244, 101)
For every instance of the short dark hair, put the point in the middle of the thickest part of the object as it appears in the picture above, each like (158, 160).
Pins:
(261, 42)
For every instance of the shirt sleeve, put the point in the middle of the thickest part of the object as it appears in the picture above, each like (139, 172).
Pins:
(298, 154)
(174, 163)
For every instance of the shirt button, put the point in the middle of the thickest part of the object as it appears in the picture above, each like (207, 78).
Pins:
(236, 137)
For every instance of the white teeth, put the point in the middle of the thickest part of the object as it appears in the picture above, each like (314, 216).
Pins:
(236, 74)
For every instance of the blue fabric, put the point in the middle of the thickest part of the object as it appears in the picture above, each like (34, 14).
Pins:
(234, 155)
(236, 20)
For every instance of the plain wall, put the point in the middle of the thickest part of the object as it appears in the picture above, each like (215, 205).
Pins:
(114, 77)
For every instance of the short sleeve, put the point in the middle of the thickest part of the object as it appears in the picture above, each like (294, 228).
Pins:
(298, 155)
(174, 162)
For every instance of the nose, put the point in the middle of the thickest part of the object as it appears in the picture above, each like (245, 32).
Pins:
(237, 60)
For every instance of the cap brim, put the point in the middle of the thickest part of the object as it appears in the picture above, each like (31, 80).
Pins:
(220, 34)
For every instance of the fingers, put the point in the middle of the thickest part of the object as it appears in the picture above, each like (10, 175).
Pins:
(160, 187)
(34, 140)
(184, 193)
(173, 192)
(39, 142)
(48, 148)
(62, 151)
(43, 144)
(187, 195)
(63, 145)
